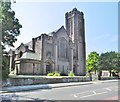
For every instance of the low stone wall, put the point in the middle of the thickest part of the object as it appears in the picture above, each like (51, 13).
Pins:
(19, 81)
(108, 78)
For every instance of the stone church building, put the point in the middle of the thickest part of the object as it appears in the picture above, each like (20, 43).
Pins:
(62, 50)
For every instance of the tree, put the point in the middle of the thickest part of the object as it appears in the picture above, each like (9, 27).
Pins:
(10, 24)
(5, 66)
(108, 61)
(116, 63)
(92, 61)
(10, 30)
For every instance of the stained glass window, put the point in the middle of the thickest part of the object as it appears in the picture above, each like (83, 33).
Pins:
(62, 47)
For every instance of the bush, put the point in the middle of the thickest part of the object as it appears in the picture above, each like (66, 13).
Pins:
(50, 74)
(13, 72)
(56, 74)
(53, 74)
(71, 74)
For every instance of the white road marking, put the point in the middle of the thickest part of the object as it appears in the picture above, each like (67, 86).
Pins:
(75, 96)
(102, 93)
(90, 93)
(82, 92)
(87, 96)
(94, 92)
(108, 89)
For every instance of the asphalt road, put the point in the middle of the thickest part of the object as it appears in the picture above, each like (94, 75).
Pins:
(98, 91)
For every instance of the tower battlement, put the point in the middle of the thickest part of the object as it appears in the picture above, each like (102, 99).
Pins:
(74, 11)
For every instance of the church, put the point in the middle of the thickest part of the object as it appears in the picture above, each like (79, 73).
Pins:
(62, 50)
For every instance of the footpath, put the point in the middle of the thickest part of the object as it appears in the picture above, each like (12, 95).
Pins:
(49, 86)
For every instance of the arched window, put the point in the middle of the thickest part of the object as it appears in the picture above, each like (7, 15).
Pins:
(62, 48)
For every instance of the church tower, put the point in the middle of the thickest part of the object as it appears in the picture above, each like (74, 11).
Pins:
(76, 31)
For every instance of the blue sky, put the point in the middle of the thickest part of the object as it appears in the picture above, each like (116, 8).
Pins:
(101, 21)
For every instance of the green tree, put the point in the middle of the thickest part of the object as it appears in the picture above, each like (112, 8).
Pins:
(10, 30)
(108, 61)
(92, 61)
(116, 63)
(10, 24)
(5, 66)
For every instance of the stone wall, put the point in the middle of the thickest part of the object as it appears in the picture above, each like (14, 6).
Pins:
(19, 81)
(108, 78)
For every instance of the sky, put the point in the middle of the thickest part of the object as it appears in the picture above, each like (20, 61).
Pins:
(101, 22)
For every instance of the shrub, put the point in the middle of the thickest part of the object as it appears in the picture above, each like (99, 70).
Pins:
(71, 74)
(13, 72)
(56, 74)
(53, 74)
(50, 74)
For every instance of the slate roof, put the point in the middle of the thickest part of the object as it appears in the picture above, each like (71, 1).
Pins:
(30, 55)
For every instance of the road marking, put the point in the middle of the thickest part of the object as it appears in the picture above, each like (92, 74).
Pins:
(88, 93)
(108, 89)
(94, 92)
(102, 93)
(87, 96)
(75, 96)
(82, 92)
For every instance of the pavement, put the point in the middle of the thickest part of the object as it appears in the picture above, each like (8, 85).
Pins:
(49, 86)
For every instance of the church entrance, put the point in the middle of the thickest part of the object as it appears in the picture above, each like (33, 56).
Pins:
(48, 67)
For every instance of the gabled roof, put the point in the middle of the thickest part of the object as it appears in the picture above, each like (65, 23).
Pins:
(27, 44)
(20, 46)
(54, 32)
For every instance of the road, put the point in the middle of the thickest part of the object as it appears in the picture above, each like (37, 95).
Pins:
(98, 91)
